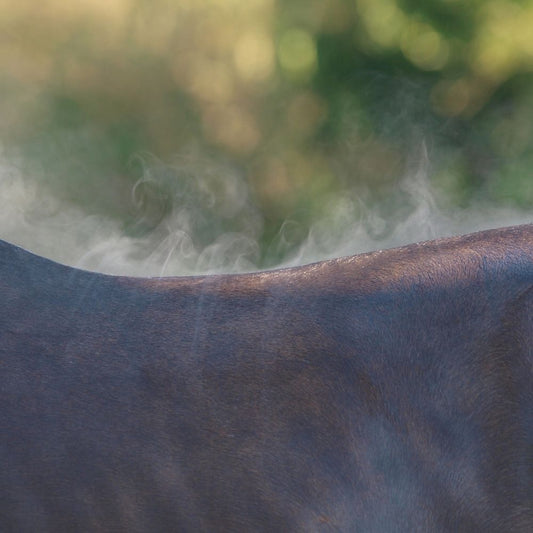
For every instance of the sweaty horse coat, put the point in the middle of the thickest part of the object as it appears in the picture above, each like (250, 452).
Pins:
(385, 392)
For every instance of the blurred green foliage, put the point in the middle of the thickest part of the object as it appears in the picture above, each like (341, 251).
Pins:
(305, 98)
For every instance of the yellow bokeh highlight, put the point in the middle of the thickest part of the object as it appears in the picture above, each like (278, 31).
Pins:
(424, 46)
(504, 41)
(523, 34)
(493, 60)
(297, 52)
(384, 21)
(235, 5)
(114, 11)
(253, 56)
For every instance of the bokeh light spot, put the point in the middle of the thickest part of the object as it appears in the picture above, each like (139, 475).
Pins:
(493, 59)
(297, 52)
(423, 46)
(384, 21)
(253, 56)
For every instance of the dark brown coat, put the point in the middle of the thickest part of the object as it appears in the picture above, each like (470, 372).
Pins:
(386, 392)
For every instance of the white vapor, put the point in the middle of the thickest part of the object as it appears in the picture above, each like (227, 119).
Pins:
(211, 225)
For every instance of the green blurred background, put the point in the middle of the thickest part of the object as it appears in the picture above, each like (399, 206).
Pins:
(125, 108)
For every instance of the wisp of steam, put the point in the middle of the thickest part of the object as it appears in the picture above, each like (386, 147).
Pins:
(195, 216)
